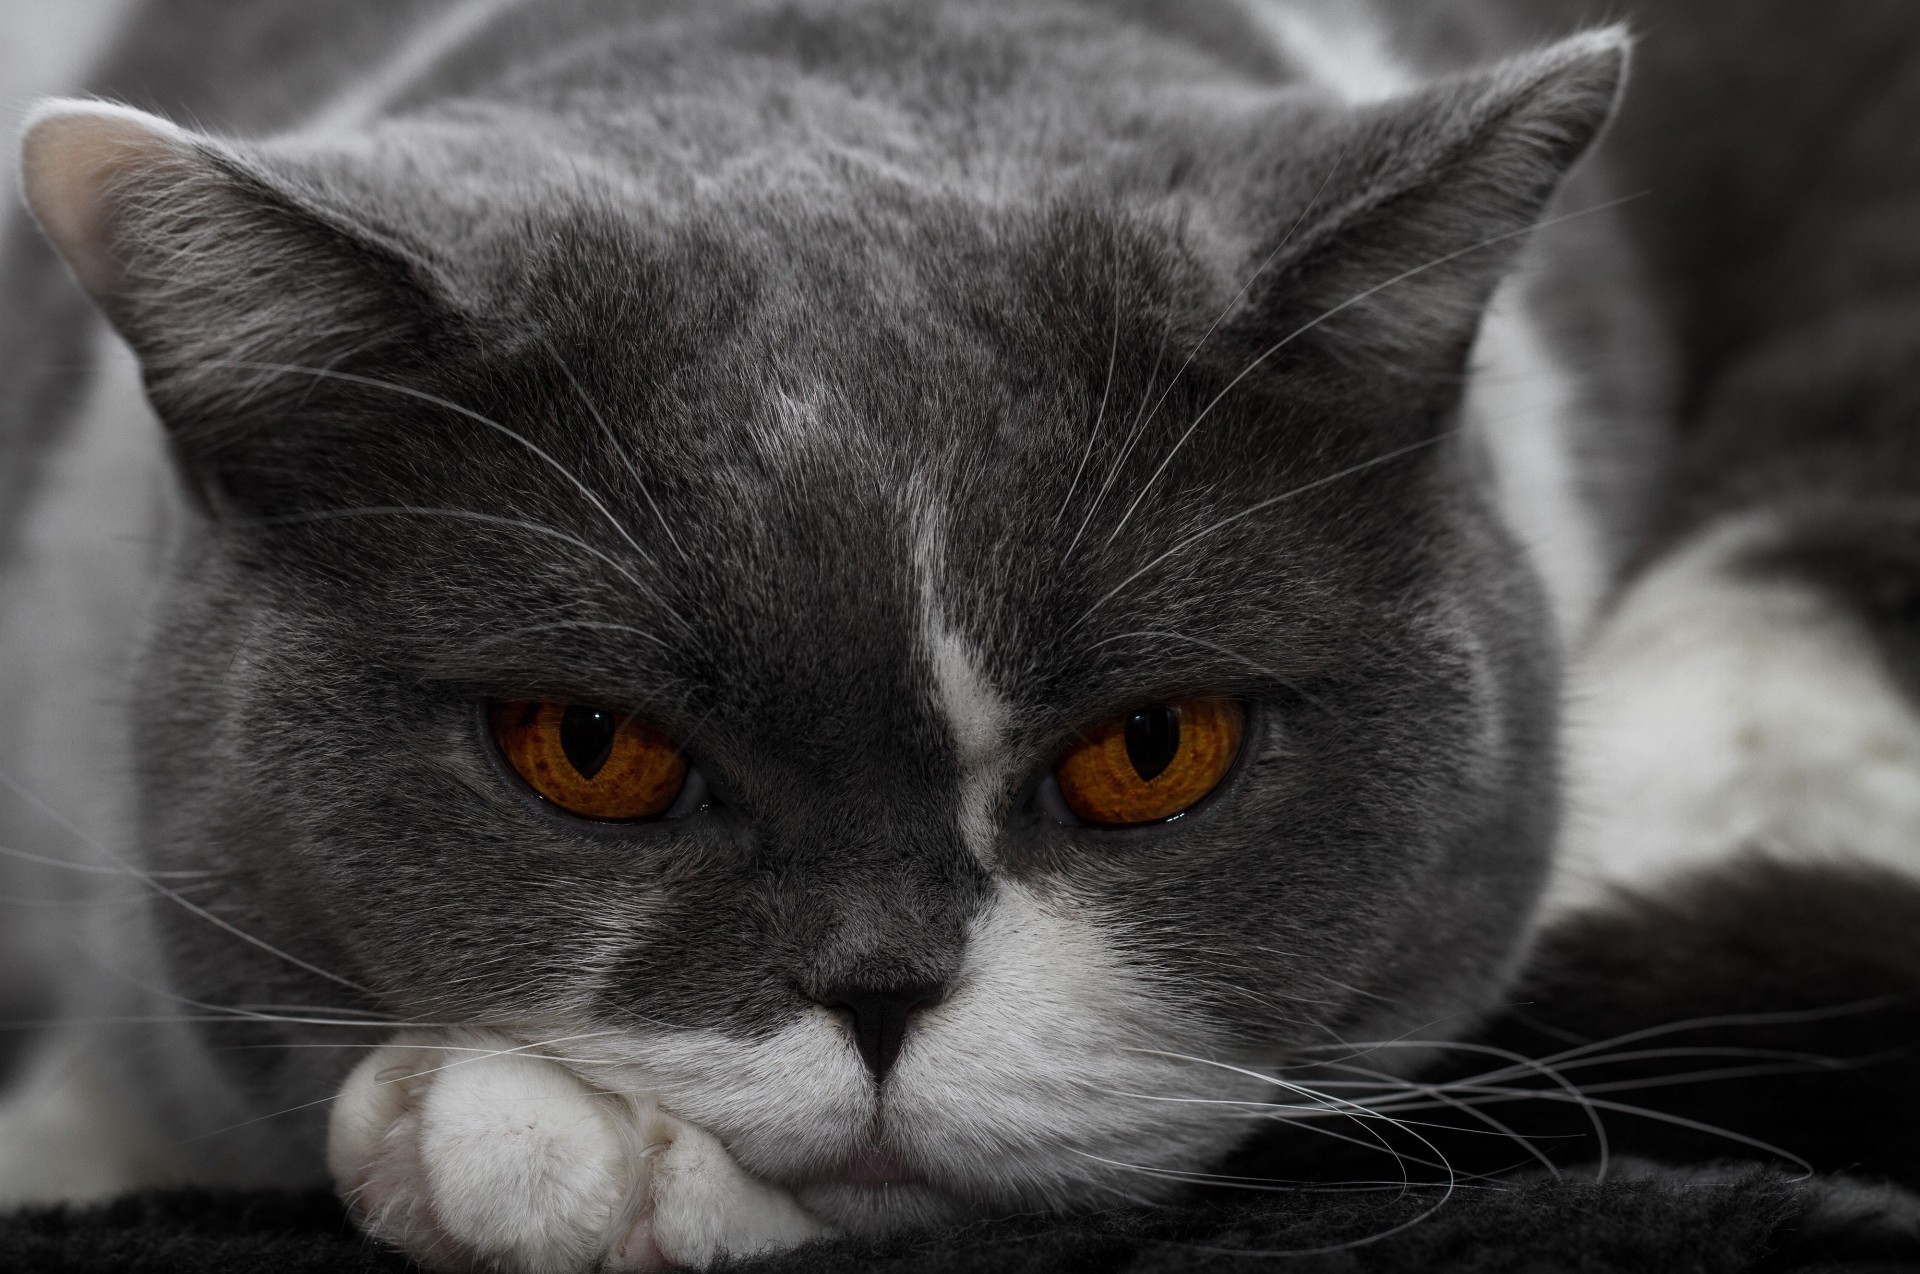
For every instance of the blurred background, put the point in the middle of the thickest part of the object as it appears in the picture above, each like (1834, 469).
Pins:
(43, 46)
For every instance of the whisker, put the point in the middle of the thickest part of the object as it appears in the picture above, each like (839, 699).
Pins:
(1269, 1185)
(1358, 1111)
(1497, 1094)
(331, 1097)
(486, 1053)
(1783, 1017)
(1546, 1071)
(1813, 1061)
(1439, 1094)
(625, 454)
(1292, 1114)
(1237, 657)
(464, 515)
(174, 895)
(1259, 270)
(1452, 1183)
(1731, 1072)
(217, 1015)
(97, 869)
(55, 904)
(1126, 448)
(1093, 435)
(1256, 507)
(468, 413)
(339, 1010)
(1294, 335)
(259, 1119)
(1324, 315)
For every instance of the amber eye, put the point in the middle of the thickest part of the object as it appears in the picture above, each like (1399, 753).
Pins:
(589, 761)
(1152, 764)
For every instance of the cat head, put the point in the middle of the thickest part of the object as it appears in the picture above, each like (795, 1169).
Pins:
(912, 533)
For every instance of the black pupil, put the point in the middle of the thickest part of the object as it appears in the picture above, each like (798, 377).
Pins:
(586, 736)
(1153, 740)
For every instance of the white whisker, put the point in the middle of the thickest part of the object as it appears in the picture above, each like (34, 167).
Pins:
(1093, 435)
(370, 382)
(174, 895)
(1324, 315)
(98, 869)
(625, 454)
(1126, 449)
(1254, 508)
(463, 515)
(1193, 353)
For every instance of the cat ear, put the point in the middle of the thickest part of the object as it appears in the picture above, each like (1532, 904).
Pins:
(1421, 204)
(208, 263)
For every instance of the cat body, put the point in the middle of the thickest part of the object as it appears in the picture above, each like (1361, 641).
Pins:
(875, 398)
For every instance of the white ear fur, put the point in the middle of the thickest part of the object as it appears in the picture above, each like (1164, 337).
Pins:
(78, 159)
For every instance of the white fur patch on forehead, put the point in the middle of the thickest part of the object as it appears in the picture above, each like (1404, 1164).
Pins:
(1339, 47)
(975, 713)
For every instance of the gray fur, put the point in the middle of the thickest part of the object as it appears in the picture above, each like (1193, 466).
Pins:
(635, 358)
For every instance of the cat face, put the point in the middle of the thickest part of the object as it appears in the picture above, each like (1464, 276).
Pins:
(883, 612)
(875, 507)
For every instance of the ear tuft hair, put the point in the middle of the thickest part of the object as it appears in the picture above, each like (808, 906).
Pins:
(1427, 200)
(210, 263)
(77, 158)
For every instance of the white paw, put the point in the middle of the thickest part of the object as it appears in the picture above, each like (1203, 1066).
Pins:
(468, 1152)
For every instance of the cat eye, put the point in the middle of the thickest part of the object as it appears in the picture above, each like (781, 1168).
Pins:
(594, 762)
(1150, 765)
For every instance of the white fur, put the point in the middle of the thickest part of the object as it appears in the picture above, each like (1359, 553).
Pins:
(70, 601)
(799, 1097)
(536, 1162)
(469, 1151)
(1052, 1029)
(67, 1136)
(1716, 713)
(1521, 401)
(975, 712)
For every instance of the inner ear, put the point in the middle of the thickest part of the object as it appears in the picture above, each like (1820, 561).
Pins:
(78, 161)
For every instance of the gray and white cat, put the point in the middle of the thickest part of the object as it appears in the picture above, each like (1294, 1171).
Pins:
(865, 415)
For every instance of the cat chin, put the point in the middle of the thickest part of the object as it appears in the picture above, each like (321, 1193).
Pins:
(882, 1209)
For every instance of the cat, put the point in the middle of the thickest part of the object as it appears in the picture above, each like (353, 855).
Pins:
(1064, 519)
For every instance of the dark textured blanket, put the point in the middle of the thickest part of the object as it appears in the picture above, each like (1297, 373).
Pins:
(1756, 1221)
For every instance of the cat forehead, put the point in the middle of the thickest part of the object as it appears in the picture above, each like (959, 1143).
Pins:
(819, 495)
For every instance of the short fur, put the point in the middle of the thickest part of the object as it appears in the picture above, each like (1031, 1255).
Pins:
(874, 396)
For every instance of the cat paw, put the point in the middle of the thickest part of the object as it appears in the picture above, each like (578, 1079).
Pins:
(469, 1153)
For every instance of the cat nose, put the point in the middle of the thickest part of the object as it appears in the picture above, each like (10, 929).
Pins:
(879, 1016)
